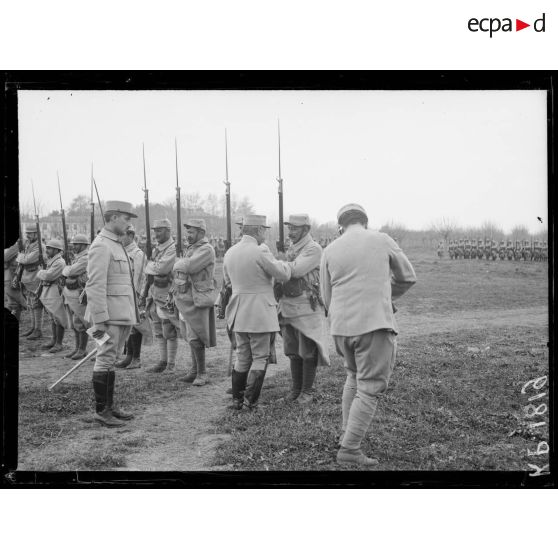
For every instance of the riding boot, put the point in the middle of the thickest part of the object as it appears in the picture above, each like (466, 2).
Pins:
(191, 376)
(238, 381)
(309, 366)
(76, 348)
(116, 412)
(172, 348)
(135, 339)
(60, 329)
(201, 378)
(296, 377)
(123, 362)
(254, 385)
(103, 413)
(38, 324)
(82, 351)
(52, 342)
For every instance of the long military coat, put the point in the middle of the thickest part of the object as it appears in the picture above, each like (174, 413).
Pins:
(249, 269)
(51, 297)
(30, 261)
(76, 276)
(195, 290)
(160, 267)
(109, 289)
(304, 260)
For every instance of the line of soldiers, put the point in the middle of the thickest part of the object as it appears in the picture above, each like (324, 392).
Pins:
(489, 249)
(112, 287)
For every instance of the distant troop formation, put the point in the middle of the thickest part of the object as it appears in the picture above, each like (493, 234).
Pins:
(470, 249)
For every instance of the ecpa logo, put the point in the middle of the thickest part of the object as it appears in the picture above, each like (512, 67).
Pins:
(492, 25)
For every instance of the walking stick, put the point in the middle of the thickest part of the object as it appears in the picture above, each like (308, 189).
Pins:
(74, 368)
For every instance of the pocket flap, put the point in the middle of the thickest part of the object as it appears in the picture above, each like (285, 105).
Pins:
(205, 285)
(119, 257)
(119, 290)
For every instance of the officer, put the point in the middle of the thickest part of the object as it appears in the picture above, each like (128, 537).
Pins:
(301, 312)
(14, 301)
(111, 306)
(159, 271)
(361, 272)
(51, 294)
(137, 261)
(29, 259)
(76, 278)
(194, 294)
(249, 269)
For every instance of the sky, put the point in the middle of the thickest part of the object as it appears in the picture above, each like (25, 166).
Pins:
(408, 157)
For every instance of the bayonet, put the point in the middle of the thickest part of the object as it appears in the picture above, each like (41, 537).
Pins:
(92, 217)
(281, 241)
(39, 239)
(228, 194)
(178, 207)
(63, 216)
(148, 248)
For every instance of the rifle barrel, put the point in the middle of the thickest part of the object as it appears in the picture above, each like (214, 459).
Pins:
(92, 223)
(228, 194)
(39, 239)
(280, 180)
(178, 207)
(63, 216)
(148, 248)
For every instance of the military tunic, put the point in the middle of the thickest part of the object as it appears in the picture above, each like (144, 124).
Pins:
(30, 261)
(76, 279)
(195, 291)
(51, 296)
(14, 301)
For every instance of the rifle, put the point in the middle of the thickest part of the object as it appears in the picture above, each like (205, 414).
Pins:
(16, 282)
(92, 209)
(39, 239)
(99, 202)
(281, 242)
(64, 232)
(148, 248)
(227, 195)
(178, 208)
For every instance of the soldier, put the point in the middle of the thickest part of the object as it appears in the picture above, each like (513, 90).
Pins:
(301, 313)
(51, 294)
(29, 259)
(111, 306)
(220, 248)
(360, 274)
(249, 269)
(76, 278)
(165, 323)
(440, 249)
(137, 261)
(13, 299)
(451, 250)
(194, 293)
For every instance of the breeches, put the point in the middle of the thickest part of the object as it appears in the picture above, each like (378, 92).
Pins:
(32, 299)
(252, 351)
(108, 352)
(78, 323)
(369, 359)
(168, 327)
(296, 344)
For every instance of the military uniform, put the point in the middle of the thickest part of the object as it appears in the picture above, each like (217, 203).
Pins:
(29, 259)
(301, 313)
(249, 269)
(14, 301)
(111, 307)
(166, 324)
(361, 272)
(76, 279)
(194, 293)
(51, 296)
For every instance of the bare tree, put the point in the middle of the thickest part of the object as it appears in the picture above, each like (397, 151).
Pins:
(520, 232)
(491, 230)
(445, 227)
(80, 205)
(397, 231)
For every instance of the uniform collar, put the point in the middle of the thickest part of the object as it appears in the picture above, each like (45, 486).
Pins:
(303, 242)
(109, 234)
(54, 258)
(131, 247)
(199, 242)
(165, 244)
(246, 238)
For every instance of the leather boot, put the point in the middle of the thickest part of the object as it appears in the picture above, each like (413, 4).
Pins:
(123, 362)
(116, 411)
(103, 414)
(238, 381)
(296, 377)
(309, 366)
(59, 339)
(136, 339)
(52, 342)
(76, 348)
(157, 368)
(38, 323)
(201, 378)
(191, 376)
(253, 388)
(82, 351)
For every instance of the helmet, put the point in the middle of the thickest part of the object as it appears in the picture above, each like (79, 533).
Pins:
(55, 243)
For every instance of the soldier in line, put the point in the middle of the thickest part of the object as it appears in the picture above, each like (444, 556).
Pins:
(111, 306)
(194, 293)
(137, 261)
(76, 279)
(221, 248)
(29, 259)
(249, 269)
(51, 294)
(301, 312)
(166, 324)
(440, 249)
(361, 272)
(14, 301)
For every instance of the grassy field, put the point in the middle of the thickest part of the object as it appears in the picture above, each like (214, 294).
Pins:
(472, 333)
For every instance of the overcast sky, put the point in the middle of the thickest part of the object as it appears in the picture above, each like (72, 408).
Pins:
(411, 157)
